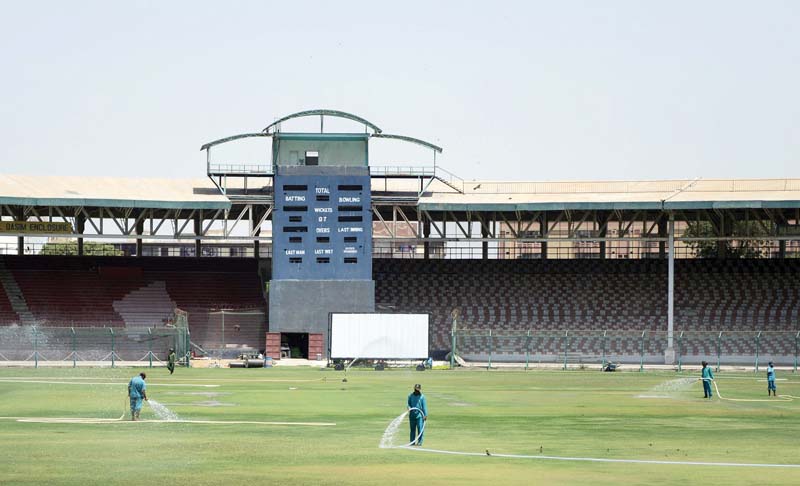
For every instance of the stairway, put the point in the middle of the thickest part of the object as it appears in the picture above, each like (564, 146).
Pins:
(148, 306)
(15, 297)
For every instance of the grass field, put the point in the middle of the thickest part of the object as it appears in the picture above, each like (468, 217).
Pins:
(640, 416)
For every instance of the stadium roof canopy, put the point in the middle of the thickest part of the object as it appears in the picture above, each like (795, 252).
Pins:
(111, 192)
(438, 196)
(614, 195)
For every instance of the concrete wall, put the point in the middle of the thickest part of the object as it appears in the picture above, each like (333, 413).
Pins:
(303, 305)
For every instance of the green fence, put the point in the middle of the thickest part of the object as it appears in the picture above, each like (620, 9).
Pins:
(75, 346)
(637, 348)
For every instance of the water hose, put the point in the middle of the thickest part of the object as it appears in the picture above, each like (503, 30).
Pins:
(421, 429)
(780, 398)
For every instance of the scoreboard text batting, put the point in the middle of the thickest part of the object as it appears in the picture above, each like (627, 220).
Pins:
(322, 228)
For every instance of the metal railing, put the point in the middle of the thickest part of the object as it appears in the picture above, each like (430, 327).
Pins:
(222, 169)
(631, 347)
(76, 346)
(438, 248)
(402, 170)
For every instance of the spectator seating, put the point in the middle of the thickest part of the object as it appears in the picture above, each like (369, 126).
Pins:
(552, 296)
(135, 292)
(7, 314)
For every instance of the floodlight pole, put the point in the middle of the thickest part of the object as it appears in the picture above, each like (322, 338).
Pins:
(670, 287)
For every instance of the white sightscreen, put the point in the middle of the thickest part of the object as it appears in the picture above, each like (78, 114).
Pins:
(379, 336)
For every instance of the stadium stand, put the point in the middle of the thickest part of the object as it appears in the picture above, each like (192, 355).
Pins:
(545, 296)
(129, 292)
(7, 314)
(526, 294)
(737, 294)
(552, 296)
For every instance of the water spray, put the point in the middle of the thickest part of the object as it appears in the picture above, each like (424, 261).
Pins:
(391, 430)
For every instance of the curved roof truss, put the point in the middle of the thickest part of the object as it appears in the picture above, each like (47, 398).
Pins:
(334, 113)
(234, 137)
(409, 139)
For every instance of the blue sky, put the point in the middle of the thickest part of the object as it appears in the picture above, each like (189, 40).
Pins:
(512, 90)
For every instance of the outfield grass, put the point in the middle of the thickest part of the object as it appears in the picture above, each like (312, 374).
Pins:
(541, 413)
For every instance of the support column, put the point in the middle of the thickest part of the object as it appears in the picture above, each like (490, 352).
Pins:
(602, 219)
(20, 239)
(139, 231)
(722, 246)
(484, 244)
(543, 234)
(256, 232)
(662, 233)
(80, 222)
(669, 353)
(198, 228)
(426, 235)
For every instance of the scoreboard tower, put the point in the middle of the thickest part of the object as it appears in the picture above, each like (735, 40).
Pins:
(321, 231)
(321, 209)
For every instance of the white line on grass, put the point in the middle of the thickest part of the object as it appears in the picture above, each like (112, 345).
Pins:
(104, 383)
(90, 420)
(601, 459)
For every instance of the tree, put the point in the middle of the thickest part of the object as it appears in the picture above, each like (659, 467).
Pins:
(90, 248)
(745, 248)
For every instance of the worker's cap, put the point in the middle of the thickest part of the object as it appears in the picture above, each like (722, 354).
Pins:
(418, 387)
(770, 363)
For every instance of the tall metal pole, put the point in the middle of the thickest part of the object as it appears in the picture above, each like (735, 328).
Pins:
(671, 281)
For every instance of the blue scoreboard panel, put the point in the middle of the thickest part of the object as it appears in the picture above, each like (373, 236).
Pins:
(322, 224)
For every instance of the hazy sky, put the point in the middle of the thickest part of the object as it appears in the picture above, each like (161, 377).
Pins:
(511, 90)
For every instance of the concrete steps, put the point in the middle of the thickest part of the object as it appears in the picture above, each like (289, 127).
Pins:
(15, 297)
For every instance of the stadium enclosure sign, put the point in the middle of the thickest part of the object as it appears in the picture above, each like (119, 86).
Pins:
(378, 336)
(35, 227)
